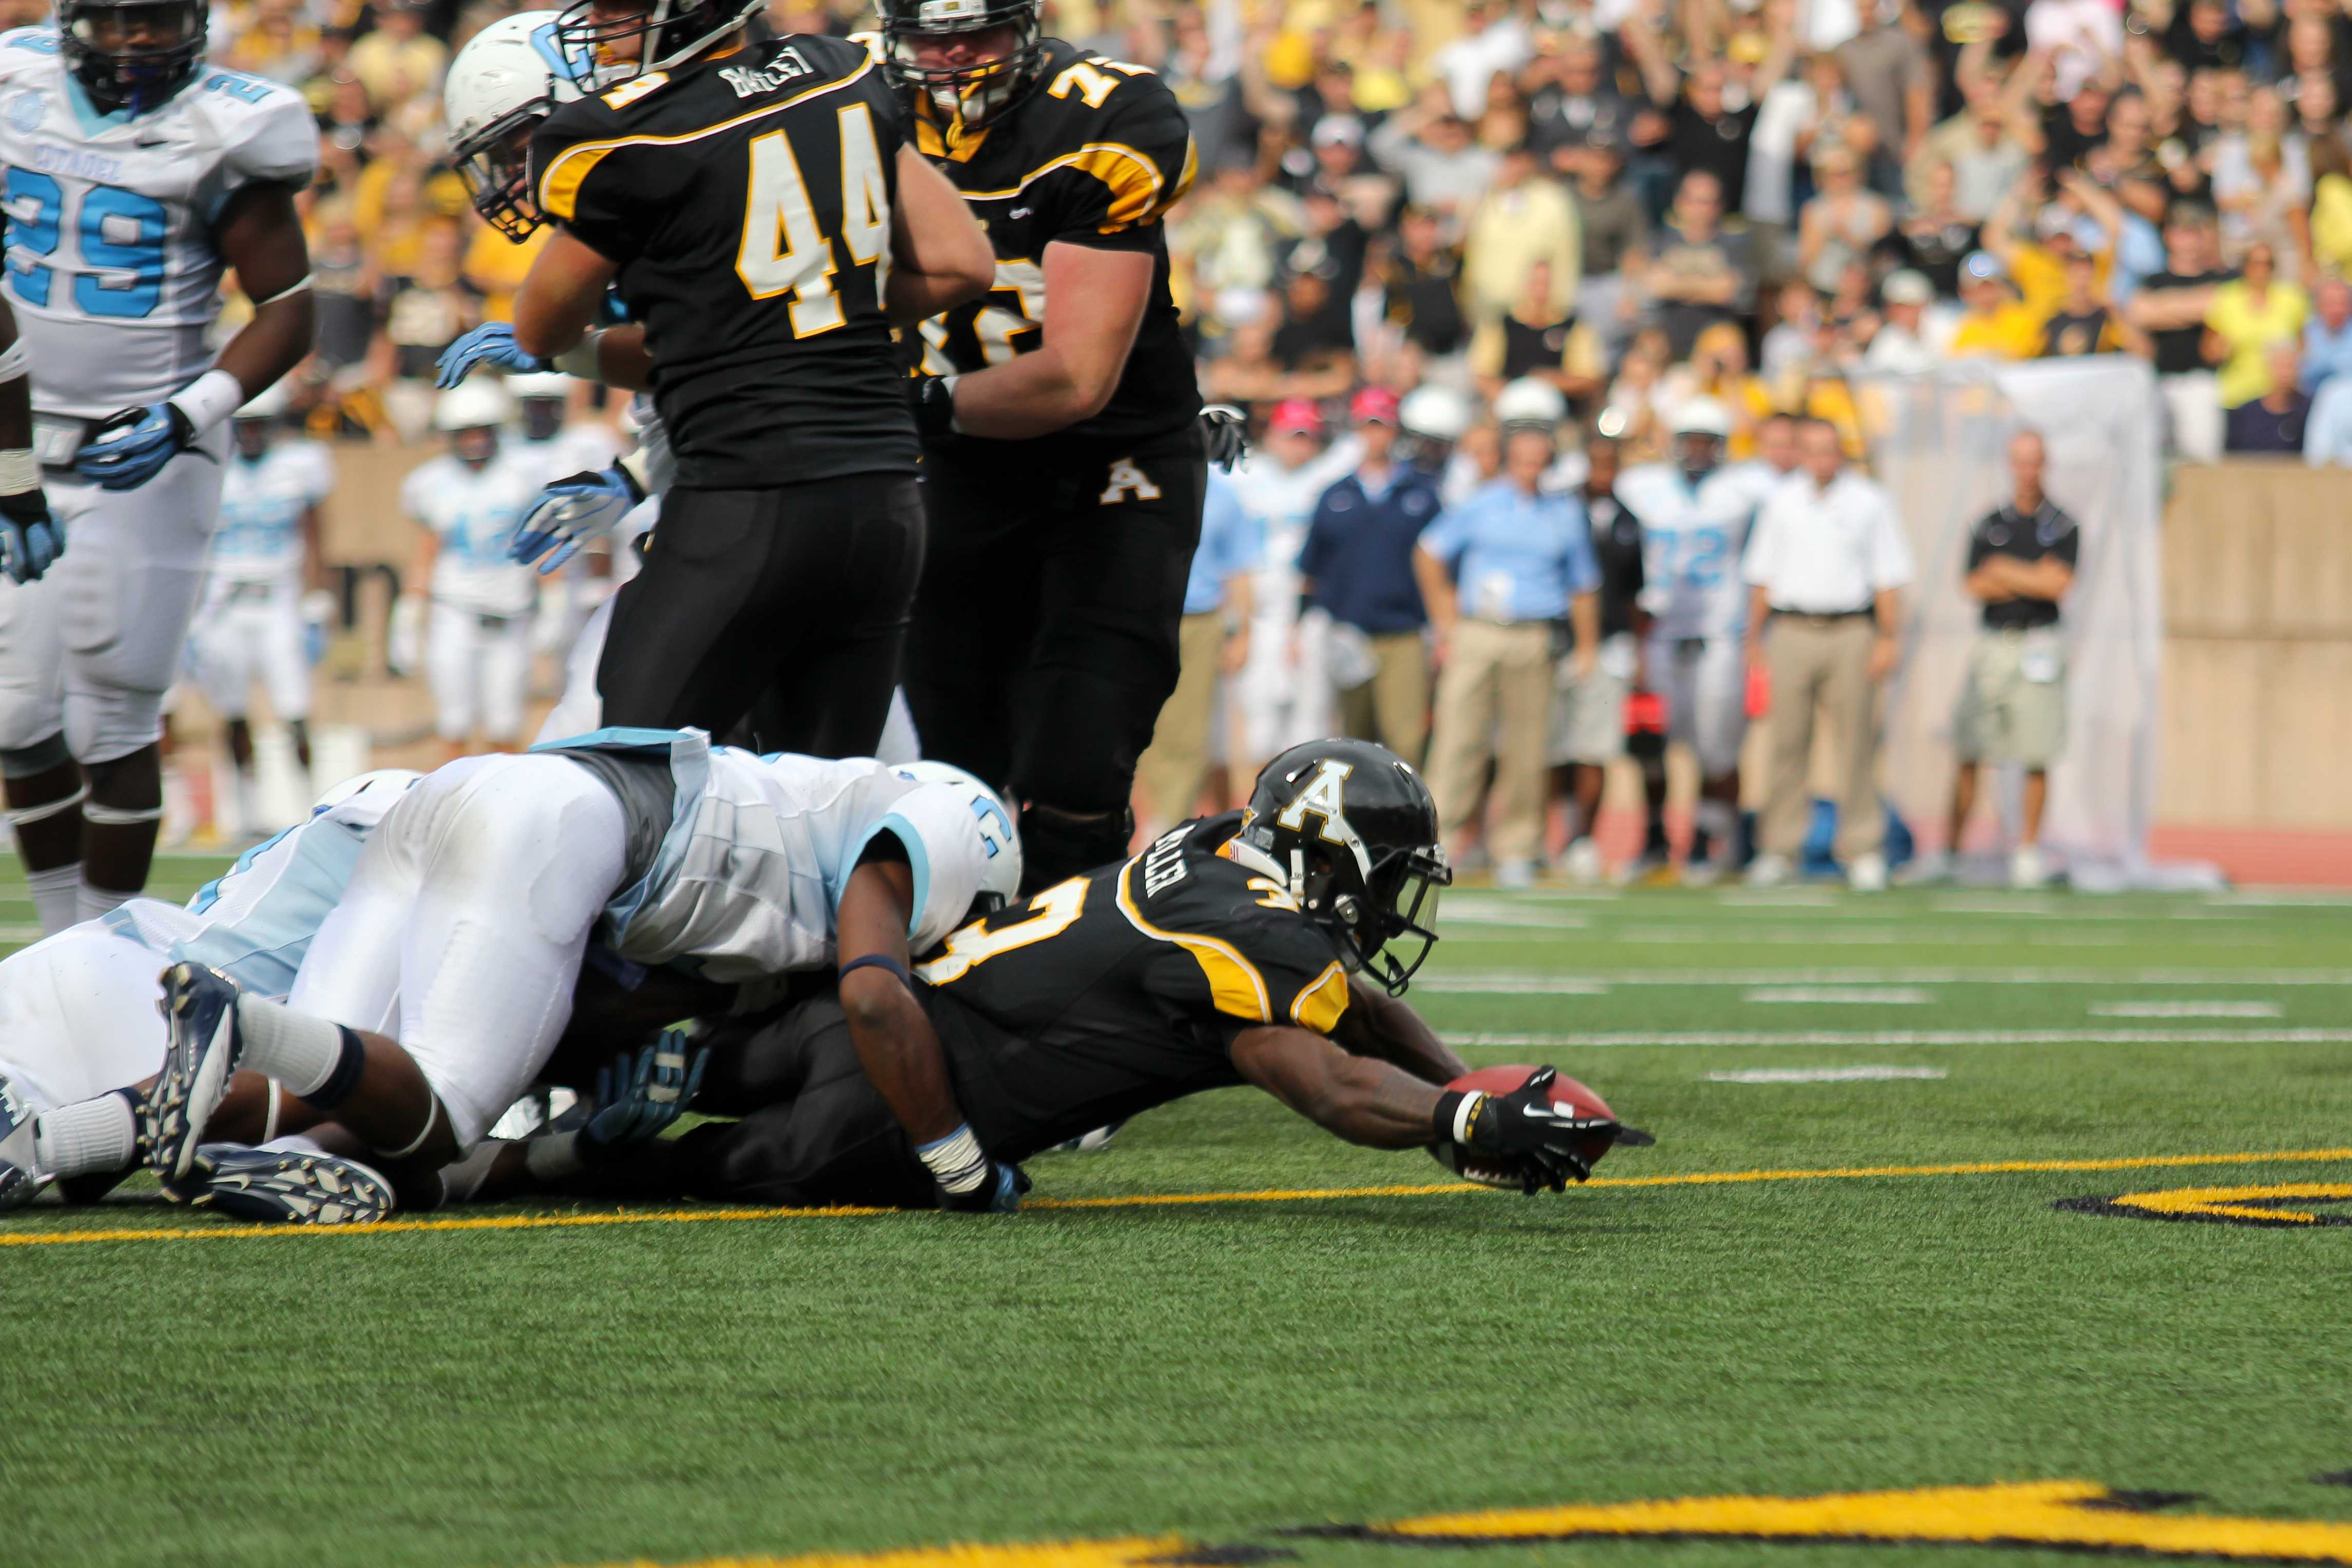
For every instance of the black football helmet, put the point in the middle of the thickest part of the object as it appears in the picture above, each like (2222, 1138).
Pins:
(963, 98)
(673, 31)
(131, 54)
(1353, 831)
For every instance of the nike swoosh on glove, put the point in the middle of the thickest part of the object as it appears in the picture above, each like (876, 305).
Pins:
(30, 540)
(491, 343)
(131, 445)
(570, 512)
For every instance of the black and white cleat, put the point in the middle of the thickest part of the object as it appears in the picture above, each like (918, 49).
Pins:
(289, 1187)
(20, 1181)
(207, 1042)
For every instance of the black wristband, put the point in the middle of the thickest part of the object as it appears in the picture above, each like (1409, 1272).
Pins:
(879, 961)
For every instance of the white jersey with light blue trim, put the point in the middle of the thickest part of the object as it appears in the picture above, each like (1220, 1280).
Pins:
(255, 922)
(260, 535)
(475, 511)
(759, 849)
(1691, 540)
(112, 269)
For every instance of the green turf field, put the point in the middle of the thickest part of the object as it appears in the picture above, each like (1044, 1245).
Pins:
(1197, 1380)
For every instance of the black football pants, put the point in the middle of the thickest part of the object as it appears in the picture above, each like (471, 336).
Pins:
(1044, 633)
(801, 592)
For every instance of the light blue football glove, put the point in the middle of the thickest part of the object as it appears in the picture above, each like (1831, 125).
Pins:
(129, 447)
(491, 343)
(573, 511)
(29, 537)
(636, 1101)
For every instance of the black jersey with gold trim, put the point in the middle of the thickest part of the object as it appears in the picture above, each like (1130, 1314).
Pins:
(747, 199)
(1108, 994)
(1094, 156)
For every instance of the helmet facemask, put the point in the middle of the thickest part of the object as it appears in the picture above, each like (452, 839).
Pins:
(118, 73)
(495, 163)
(966, 99)
(1387, 931)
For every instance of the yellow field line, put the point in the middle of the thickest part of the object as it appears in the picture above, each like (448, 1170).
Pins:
(1146, 1201)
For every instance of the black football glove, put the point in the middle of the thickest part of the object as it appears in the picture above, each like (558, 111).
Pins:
(1526, 1128)
(933, 401)
(999, 1192)
(1225, 429)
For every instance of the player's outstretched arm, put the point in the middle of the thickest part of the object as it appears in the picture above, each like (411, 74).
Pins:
(897, 1046)
(1358, 1098)
(1379, 1025)
(560, 296)
(939, 256)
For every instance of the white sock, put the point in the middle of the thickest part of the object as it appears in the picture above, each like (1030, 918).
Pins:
(57, 896)
(299, 1051)
(91, 901)
(98, 1135)
(461, 1181)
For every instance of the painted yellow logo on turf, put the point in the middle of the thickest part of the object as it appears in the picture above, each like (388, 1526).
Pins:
(2069, 1515)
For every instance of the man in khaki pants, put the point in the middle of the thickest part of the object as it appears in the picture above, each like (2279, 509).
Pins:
(1213, 644)
(1825, 567)
(1498, 574)
(2013, 707)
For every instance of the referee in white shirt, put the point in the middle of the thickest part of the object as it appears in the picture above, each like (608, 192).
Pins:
(1825, 566)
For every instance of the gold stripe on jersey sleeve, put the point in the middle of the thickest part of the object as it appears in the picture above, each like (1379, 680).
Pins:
(1234, 984)
(1139, 193)
(1320, 1006)
(559, 188)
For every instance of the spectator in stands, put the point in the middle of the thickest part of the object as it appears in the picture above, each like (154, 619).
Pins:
(2331, 205)
(1994, 324)
(1892, 80)
(1419, 284)
(2171, 307)
(1937, 236)
(2246, 320)
(1843, 222)
(1899, 345)
(1430, 148)
(2328, 430)
(1826, 566)
(400, 60)
(1988, 145)
(1213, 641)
(1493, 41)
(1521, 223)
(1573, 107)
(1357, 565)
(1701, 275)
(2085, 323)
(2013, 707)
(2328, 336)
(1498, 575)
(1314, 342)
(2273, 422)
(2262, 186)
(1615, 229)
(1540, 338)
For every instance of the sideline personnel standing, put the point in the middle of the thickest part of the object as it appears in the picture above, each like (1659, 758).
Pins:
(1521, 563)
(763, 210)
(1589, 713)
(1826, 567)
(2013, 705)
(1357, 565)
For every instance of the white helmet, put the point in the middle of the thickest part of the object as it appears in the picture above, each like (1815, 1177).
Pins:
(540, 383)
(1702, 416)
(1530, 402)
(509, 76)
(475, 404)
(1000, 882)
(385, 780)
(1434, 414)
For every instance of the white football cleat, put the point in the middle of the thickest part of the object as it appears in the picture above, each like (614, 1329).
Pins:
(1926, 870)
(207, 1042)
(20, 1180)
(293, 1187)
(1769, 870)
(1515, 875)
(2027, 870)
(1867, 873)
(1581, 863)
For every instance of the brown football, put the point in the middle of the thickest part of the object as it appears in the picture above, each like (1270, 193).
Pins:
(1566, 1092)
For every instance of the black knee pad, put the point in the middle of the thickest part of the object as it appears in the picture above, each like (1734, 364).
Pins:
(1057, 845)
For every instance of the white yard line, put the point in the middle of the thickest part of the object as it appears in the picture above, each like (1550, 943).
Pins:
(1869, 1074)
(1506, 983)
(1842, 996)
(1601, 1040)
(2191, 1010)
